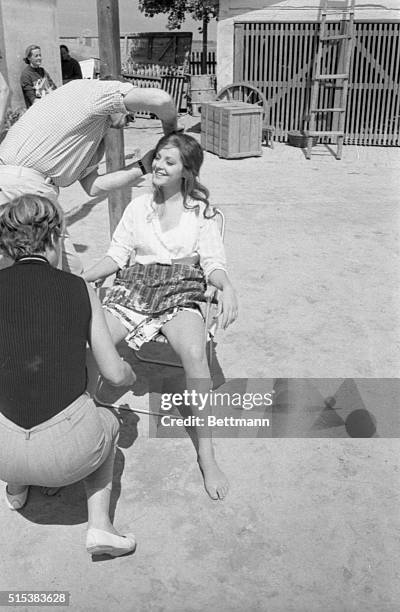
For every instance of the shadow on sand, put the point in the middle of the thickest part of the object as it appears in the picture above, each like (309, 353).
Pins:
(300, 410)
(68, 506)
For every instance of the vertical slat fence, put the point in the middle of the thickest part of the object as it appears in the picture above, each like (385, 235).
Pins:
(195, 62)
(277, 58)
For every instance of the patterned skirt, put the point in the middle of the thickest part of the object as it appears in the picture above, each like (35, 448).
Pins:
(145, 297)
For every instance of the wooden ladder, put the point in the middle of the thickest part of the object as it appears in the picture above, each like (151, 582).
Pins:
(338, 79)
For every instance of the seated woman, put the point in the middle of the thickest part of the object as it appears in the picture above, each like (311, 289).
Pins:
(35, 81)
(51, 432)
(166, 230)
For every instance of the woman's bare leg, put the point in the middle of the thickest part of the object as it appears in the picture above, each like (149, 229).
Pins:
(98, 487)
(117, 330)
(185, 333)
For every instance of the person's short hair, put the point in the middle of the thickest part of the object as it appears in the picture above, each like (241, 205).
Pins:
(28, 225)
(64, 47)
(28, 52)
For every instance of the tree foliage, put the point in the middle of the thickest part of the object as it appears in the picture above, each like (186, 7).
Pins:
(201, 10)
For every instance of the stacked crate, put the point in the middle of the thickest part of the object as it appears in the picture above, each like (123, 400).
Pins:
(231, 129)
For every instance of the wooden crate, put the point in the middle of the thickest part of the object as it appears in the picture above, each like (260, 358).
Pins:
(231, 129)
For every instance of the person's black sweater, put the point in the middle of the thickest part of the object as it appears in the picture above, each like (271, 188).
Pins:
(44, 326)
(35, 82)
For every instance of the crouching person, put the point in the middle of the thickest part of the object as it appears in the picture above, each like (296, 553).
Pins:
(51, 432)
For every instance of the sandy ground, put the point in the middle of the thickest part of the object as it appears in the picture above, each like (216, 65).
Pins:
(312, 521)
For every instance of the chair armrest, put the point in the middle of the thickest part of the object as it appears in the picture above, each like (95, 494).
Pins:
(210, 292)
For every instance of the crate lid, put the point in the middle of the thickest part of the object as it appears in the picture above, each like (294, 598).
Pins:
(233, 104)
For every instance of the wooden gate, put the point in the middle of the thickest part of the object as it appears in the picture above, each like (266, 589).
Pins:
(277, 58)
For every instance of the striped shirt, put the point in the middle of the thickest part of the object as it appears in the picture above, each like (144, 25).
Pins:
(60, 134)
(139, 237)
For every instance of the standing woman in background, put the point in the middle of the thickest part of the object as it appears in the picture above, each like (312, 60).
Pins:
(35, 81)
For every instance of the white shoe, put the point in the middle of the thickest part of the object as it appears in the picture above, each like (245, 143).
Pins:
(18, 501)
(99, 542)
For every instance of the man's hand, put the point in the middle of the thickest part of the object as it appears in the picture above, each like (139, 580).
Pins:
(169, 126)
(118, 120)
(147, 160)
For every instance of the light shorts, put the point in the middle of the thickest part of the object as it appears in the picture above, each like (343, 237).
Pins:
(68, 447)
(144, 328)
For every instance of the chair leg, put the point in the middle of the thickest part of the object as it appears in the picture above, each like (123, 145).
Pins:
(210, 353)
(119, 407)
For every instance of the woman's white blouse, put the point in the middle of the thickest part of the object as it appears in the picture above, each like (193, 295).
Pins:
(139, 237)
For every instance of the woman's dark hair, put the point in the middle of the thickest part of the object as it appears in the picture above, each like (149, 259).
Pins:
(64, 47)
(28, 225)
(192, 157)
(28, 52)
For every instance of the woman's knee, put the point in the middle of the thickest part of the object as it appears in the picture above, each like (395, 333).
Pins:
(194, 354)
(117, 330)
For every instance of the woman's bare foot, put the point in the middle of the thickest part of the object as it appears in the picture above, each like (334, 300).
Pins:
(50, 491)
(215, 481)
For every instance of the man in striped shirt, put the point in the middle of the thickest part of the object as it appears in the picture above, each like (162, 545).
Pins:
(60, 140)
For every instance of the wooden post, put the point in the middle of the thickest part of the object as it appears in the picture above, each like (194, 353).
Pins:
(110, 65)
(205, 42)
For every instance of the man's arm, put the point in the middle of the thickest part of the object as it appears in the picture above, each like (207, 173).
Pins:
(95, 184)
(156, 101)
(4, 94)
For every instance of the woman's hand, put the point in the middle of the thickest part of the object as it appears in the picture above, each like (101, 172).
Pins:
(99, 271)
(227, 306)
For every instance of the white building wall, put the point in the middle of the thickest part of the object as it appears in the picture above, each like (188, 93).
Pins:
(228, 11)
(22, 23)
